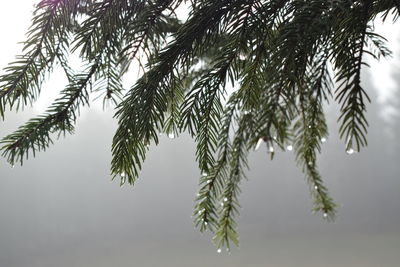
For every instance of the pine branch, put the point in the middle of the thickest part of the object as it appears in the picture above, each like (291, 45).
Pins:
(143, 28)
(310, 130)
(212, 183)
(35, 134)
(175, 98)
(226, 227)
(23, 77)
(148, 96)
(350, 93)
(277, 54)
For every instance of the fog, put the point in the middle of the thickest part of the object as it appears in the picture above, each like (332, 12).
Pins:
(62, 209)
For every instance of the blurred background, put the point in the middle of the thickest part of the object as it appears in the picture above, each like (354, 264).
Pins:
(61, 208)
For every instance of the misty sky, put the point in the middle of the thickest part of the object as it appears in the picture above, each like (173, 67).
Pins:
(61, 209)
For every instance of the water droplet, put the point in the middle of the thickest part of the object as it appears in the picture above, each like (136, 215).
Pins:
(271, 149)
(222, 204)
(323, 139)
(309, 126)
(225, 199)
(325, 215)
(310, 163)
(205, 223)
(219, 250)
(198, 194)
(199, 212)
(350, 151)
(208, 181)
(259, 144)
(171, 135)
(316, 187)
(204, 174)
(289, 147)
(122, 174)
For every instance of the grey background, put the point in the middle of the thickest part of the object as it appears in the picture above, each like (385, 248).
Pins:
(60, 209)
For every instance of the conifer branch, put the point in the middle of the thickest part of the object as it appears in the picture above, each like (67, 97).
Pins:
(226, 227)
(212, 183)
(277, 54)
(310, 129)
(23, 77)
(350, 93)
(60, 117)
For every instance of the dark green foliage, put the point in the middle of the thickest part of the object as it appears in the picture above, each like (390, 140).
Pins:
(282, 57)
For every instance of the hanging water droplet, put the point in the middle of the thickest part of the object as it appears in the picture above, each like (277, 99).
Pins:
(309, 126)
(271, 149)
(316, 187)
(310, 163)
(171, 135)
(208, 181)
(323, 139)
(222, 204)
(205, 223)
(259, 144)
(225, 199)
(289, 147)
(122, 174)
(325, 215)
(219, 250)
(204, 173)
(350, 151)
(198, 194)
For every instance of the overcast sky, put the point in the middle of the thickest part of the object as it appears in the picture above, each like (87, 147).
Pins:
(61, 209)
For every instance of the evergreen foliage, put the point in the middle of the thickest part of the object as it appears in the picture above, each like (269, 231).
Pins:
(284, 58)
